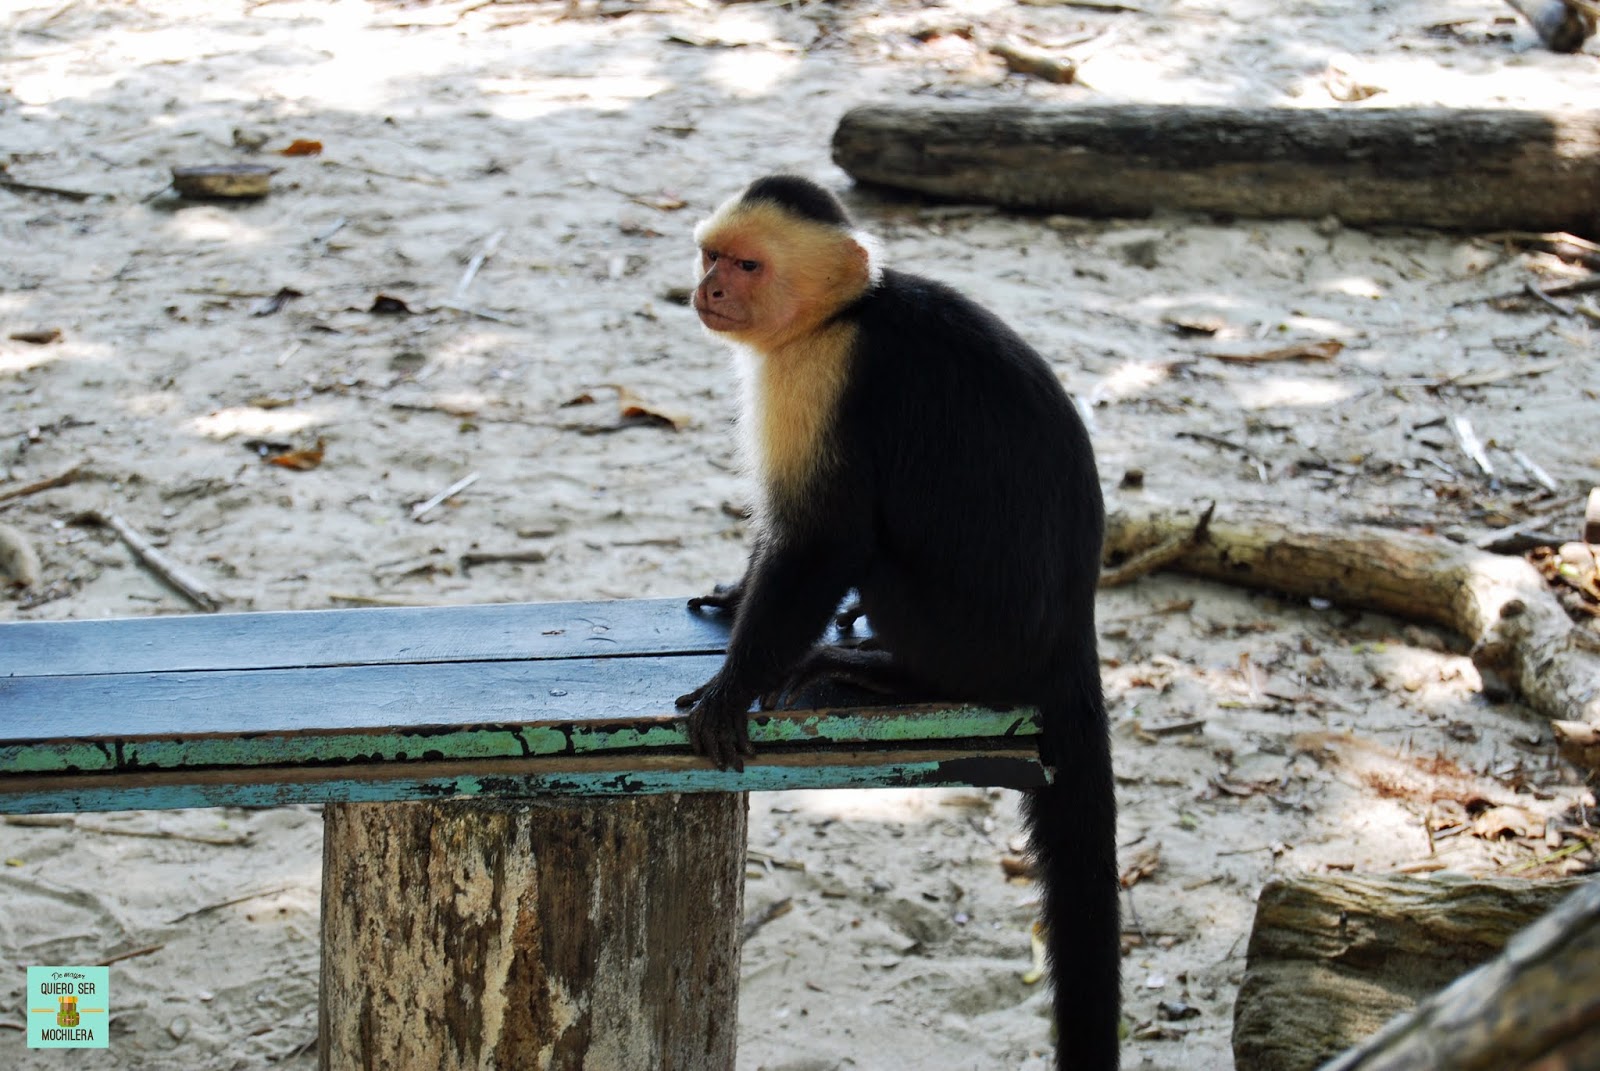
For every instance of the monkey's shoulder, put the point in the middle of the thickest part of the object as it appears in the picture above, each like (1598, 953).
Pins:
(914, 332)
(912, 311)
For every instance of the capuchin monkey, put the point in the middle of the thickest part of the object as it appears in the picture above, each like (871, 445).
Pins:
(909, 445)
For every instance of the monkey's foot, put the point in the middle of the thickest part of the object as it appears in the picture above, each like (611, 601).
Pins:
(869, 669)
(724, 597)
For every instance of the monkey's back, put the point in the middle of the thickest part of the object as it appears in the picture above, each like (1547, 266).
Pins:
(985, 509)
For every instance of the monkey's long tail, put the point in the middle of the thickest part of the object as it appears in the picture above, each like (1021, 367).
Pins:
(1072, 824)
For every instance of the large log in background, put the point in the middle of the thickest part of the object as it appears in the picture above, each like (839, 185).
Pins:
(1534, 1007)
(1472, 169)
(1333, 959)
(532, 936)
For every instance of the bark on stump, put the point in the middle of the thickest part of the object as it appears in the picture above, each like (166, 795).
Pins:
(1481, 169)
(1534, 1007)
(511, 935)
(1332, 959)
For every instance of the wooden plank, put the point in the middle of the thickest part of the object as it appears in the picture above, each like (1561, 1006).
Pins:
(375, 636)
(97, 710)
(997, 763)
(396, 704)
(395, 713)
(371, 714)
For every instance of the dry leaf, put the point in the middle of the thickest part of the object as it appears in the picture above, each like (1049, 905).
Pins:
(632, 412)
(302, 147)
(1343, 87)
(1580, 567)
(1015, 866)
(1191, 324)
(633, 409)
(1571, 566)
(662, 202)
(1419, 778)
(1498, 822)
(1039, 968)
(1326, 350)
(301, 460)
(1140, 865)
(42, 337)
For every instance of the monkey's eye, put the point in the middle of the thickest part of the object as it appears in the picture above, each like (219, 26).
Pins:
(710, 255)
(749, 265)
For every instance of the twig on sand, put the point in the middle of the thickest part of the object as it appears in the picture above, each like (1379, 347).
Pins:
(170, 572)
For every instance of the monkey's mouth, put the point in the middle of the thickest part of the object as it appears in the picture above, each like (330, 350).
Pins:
(718, 321)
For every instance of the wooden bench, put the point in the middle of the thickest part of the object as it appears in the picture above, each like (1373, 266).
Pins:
(550, 878)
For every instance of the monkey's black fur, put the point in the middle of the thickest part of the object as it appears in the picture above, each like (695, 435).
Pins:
(959, 497)
(800, 197)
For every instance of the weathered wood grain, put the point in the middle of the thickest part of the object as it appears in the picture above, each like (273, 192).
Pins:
(1534, 1007)
(1442, 167)
(1331, 959)
(999, 763)
(558, 936)
(239, 704)
(374, 636)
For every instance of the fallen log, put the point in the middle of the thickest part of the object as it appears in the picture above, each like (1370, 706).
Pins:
(1332, 959)
(1520, 633)
(1470, 169)
(1534, 1007)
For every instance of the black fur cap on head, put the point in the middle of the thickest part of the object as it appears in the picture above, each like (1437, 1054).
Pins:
(801, 197)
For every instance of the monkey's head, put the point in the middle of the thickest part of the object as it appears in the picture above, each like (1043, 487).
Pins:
(776, 261)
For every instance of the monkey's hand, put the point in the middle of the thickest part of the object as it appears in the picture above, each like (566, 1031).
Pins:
(724, 597)
(719, 724)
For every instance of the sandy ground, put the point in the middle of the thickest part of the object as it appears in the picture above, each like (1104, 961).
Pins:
(590, 139)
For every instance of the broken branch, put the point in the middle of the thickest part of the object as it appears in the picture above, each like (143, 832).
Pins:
(1158, 556)
(1501, 605)
(169, 571)
(59, 480)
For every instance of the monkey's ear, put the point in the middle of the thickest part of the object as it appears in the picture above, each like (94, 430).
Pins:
(863, 252)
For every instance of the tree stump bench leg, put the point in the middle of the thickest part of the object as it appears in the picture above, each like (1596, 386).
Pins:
(522, 934)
